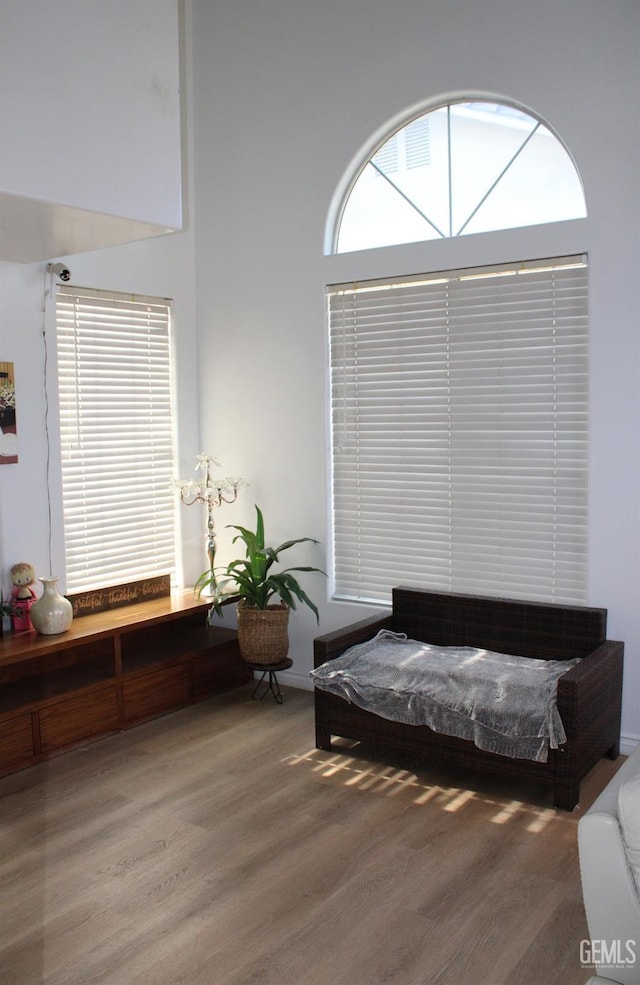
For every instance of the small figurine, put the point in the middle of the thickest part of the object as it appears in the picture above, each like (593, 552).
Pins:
(22, 596)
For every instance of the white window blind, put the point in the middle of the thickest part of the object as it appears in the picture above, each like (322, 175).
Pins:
(459, 432)
(114, 371)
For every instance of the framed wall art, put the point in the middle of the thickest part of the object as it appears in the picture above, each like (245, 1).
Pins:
(8, 431)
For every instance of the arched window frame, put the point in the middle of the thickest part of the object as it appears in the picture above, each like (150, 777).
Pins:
(505, 245)
(401, 123)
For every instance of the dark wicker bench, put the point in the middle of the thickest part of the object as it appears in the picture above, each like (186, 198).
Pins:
(589, 695)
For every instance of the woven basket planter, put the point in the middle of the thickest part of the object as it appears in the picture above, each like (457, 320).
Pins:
(262, 633)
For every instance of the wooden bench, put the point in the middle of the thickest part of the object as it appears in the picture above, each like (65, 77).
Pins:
(589, 695)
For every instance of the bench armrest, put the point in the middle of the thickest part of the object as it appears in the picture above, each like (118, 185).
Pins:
(333, 644)
(607, 659)
(591, 692)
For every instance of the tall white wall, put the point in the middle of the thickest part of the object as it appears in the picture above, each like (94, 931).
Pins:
(90, 108)
(287, 94)
(162, 266)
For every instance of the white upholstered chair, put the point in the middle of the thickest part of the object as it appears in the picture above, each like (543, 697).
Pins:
(609, 845)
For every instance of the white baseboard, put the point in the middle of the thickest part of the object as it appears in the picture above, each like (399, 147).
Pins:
(628, 743)
(293, 679)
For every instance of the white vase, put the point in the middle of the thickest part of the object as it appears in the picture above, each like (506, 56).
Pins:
(52, 613)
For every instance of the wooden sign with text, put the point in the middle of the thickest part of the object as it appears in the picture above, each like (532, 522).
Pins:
(101, 599)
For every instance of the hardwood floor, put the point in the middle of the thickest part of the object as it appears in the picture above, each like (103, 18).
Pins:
(217, 846)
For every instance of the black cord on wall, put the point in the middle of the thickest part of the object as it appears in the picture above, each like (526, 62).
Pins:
(47, 293)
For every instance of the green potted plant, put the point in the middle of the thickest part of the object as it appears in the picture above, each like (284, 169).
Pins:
(262, 621)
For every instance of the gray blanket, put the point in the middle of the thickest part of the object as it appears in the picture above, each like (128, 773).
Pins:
(503, 703)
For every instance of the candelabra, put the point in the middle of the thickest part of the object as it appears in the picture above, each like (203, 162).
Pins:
(211, 493)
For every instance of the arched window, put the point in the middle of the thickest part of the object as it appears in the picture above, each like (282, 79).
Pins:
(467, 167)
(459, 393)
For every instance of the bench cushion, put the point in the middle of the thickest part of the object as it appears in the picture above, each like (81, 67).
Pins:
(504, 703)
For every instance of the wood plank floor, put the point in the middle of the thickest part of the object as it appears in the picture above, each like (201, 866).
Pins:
(217, 846)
